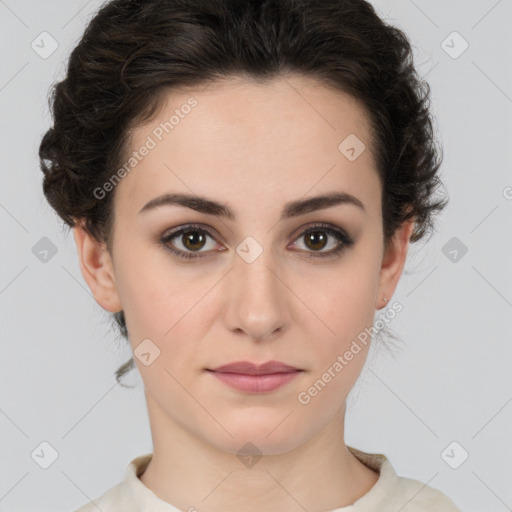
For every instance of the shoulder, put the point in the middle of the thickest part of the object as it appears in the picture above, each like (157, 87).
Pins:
(127, 494)
(114, 499)
(416, 496)
(393, 492)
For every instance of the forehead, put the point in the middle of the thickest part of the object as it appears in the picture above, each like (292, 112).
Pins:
(279, 138)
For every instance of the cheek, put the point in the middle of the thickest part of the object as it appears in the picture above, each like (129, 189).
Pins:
(154, 294)
(339, 354)
(162, 313)
(342, 302)
(168, 306)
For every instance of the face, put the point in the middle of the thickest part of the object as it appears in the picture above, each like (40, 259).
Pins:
(272, 280)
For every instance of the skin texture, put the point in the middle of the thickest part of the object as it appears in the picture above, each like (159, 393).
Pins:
(255, 147)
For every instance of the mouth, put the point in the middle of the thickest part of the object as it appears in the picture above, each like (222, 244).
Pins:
(249, 368)
(252, 378)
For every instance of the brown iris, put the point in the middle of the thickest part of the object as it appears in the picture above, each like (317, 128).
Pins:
(193, 240)
(316, 239)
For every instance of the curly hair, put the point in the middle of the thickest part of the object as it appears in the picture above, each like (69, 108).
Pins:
(132, 52)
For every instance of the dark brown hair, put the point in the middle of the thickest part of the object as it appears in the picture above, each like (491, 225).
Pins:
(134, 51)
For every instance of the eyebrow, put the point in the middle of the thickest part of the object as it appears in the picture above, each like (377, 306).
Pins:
(291, 209)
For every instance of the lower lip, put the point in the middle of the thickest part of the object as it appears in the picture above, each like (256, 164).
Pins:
(255, 383)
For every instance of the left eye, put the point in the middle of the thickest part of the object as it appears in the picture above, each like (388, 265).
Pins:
(194, 238)
(317, 238)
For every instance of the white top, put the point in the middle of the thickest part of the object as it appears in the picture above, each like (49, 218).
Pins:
(389, 494)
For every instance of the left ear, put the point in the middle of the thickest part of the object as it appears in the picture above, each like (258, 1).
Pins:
(393, 262)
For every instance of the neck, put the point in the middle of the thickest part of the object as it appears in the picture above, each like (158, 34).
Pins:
(191, 473)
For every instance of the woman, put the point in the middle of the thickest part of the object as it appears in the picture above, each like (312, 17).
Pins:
(243, 180)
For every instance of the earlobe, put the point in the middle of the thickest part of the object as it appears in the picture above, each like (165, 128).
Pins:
(97, 270)
(393, 262)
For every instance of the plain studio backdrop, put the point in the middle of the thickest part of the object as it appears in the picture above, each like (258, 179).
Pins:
(440, 408)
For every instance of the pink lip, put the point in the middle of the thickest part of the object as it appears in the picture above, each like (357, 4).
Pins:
(248, 368)
(249, 377)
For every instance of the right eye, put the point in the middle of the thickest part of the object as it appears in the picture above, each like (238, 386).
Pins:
(192, 239)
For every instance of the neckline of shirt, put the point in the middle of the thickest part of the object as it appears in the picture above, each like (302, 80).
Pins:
(147, 501)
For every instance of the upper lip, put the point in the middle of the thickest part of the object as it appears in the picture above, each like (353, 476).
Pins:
(248, 368)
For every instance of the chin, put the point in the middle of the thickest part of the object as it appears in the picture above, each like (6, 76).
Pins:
(262, 438)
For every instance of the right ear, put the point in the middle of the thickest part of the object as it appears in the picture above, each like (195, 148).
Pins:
(97, 269)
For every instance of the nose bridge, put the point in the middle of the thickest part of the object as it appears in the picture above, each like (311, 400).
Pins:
(258, 297)
(256, 272)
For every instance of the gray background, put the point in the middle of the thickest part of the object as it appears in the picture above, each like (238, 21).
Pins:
(450, 382)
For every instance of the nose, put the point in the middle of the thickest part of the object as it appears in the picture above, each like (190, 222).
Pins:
(257, 298)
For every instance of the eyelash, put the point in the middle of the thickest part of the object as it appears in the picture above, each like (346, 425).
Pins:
(341, 236)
